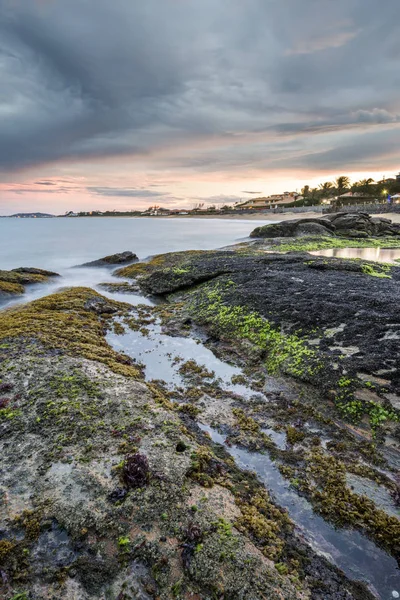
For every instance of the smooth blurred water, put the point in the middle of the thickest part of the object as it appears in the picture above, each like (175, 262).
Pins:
(59, 243)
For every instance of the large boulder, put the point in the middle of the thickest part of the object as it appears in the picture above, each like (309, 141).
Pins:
(121, 258)
(362, 225)
(358, 225)
(295, 228)
(315, 229)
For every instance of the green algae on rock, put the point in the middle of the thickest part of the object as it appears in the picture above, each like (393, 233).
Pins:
(70, 321)
(287, 353)
(66, 530)
(312, 243)
(160, 261)
(280, 306)
(10, 288)
(12, 283)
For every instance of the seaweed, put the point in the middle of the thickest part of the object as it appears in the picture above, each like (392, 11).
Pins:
(193, 536)
(136, 471)
(66, 321)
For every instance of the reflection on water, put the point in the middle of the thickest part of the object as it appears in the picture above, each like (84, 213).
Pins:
(350, 550)
(158, 352)
(375, 254)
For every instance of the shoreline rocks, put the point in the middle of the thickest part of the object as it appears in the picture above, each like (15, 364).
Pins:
(12, 283)
(77, 417)
(81, 521)
(352, 225)
(121, 258)
(300, 298)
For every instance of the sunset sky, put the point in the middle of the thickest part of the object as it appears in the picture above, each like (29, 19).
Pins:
(123, 104)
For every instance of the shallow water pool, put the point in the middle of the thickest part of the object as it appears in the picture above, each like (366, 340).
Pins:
(376, 254)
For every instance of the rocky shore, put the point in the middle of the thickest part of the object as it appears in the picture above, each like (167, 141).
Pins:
(127, 431)
(12, 283)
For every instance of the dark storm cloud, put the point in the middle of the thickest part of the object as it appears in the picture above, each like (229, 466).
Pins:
(95, 78)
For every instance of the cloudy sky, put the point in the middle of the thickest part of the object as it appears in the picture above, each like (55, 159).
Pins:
(128, 103)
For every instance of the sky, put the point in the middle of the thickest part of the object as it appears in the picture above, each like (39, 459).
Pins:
(128, 104)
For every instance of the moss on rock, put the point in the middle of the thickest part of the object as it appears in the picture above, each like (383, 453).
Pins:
(12, 289)
(65, 321)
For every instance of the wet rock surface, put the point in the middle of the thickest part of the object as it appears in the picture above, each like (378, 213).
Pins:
(12, 283)
(362, 225)
(112, 489)
(121, 258)
(73, 433)
(335, 305)
(34, 271)
(353, 225)
(295, 228)
(99, 306)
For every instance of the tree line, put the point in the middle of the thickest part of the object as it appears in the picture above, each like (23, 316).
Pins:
(342, 184)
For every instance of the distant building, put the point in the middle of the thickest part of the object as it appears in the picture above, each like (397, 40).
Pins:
(350, 198)
(269, 202)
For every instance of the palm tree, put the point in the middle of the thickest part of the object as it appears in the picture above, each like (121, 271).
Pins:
(326, 188)
(305, 190)
(363, 186)
(342, 184)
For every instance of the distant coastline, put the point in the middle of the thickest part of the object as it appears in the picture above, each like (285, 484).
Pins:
(258, 216)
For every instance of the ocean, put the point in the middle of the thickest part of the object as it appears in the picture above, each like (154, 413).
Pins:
(60, 244)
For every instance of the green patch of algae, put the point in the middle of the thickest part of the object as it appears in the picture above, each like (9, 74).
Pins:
(285, 352)
(310, 244)
(62, 321)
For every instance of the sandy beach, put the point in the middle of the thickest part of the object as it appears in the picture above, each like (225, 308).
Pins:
(262, 216)
(395, 217)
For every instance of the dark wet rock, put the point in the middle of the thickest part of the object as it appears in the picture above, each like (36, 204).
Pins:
(353, 315)
(120, 288)
(53, 550)
(99, 305)
(34, 271)
(163, 282)
(305, 229)
(357, 225)
(118, 495)
(121, 258)
(295, 228)
(362, 225)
